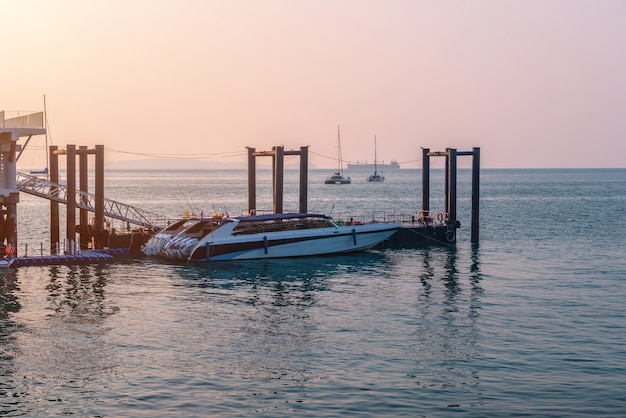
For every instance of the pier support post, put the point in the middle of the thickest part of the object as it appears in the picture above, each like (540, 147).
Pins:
(451, 184)
(450, 206)
(251, 180)
(83, 187)
(71, 193)
(278, 175)
(475, 194)
(425, 181)
(9, 193)
(55, 234)
(304, 178)
(99, 198)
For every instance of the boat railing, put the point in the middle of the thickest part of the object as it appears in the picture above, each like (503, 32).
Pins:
(11, 119)
(83, 200)
(405, 218)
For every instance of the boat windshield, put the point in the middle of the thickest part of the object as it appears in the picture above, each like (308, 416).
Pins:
(277, 225)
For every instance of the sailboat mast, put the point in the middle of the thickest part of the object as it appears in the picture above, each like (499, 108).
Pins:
(375, 165)
(339, 160)
(45, 121)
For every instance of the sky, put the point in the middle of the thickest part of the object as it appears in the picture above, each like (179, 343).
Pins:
(534, 84)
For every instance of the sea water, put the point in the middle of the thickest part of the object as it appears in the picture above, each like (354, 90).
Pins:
(529, 322)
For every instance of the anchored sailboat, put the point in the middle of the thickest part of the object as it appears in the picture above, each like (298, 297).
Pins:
(338, 177)
(375, 178)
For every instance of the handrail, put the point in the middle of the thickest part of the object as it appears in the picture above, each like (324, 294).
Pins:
(58, 192)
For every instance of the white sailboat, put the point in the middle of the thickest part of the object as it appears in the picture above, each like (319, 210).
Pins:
(338, 177)
(375, 178)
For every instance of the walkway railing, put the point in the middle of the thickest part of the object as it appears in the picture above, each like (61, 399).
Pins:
(58, 192)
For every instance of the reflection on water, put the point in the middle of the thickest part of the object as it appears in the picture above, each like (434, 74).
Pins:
(276, 334)
(9, 304)
(447, 328)
(60, 342)
(78, 291)
(269, 336)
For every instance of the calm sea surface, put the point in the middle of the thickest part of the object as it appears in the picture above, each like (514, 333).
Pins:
(531, 322)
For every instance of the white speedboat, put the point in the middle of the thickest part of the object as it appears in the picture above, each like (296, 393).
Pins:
(273, 236)
(157, 241)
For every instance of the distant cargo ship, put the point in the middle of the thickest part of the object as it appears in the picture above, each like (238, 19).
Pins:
(393, 165)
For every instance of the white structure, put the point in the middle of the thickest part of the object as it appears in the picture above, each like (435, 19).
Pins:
(13, 126)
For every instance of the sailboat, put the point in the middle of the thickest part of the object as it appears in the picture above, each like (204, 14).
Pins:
(338, 177)
(375, 178)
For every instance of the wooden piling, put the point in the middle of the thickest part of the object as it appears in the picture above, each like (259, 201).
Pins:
(99, 196)
(83, 186)
(425, 181)
(55, 234)
(251, 180)
(304, 178)
(279, 176)
(278, 173)
(452, 178)
(71, 193)
(475, 195)
(450, 195)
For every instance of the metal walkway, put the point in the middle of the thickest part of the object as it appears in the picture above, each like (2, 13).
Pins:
(58, 192)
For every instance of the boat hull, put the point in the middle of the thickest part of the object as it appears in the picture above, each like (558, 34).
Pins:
(337, 178)
(337, 181)
(341, 239)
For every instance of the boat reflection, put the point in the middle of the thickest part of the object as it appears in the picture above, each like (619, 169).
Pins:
(269, 313)
(305, 273)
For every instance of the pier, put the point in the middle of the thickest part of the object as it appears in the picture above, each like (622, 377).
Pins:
(425, 228)
(96, 243)
(84, 257)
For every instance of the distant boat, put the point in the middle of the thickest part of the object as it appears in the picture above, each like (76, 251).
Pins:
(375, 178)
(393, 165)
(338, 177)
(43, 172)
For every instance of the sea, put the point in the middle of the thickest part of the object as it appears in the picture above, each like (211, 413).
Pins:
(529, 322)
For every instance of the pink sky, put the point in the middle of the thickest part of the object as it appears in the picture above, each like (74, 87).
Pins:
(533, 83)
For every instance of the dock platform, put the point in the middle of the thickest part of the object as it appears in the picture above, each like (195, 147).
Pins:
(85, 257)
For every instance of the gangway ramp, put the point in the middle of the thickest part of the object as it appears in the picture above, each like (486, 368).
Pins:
(46, 189)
